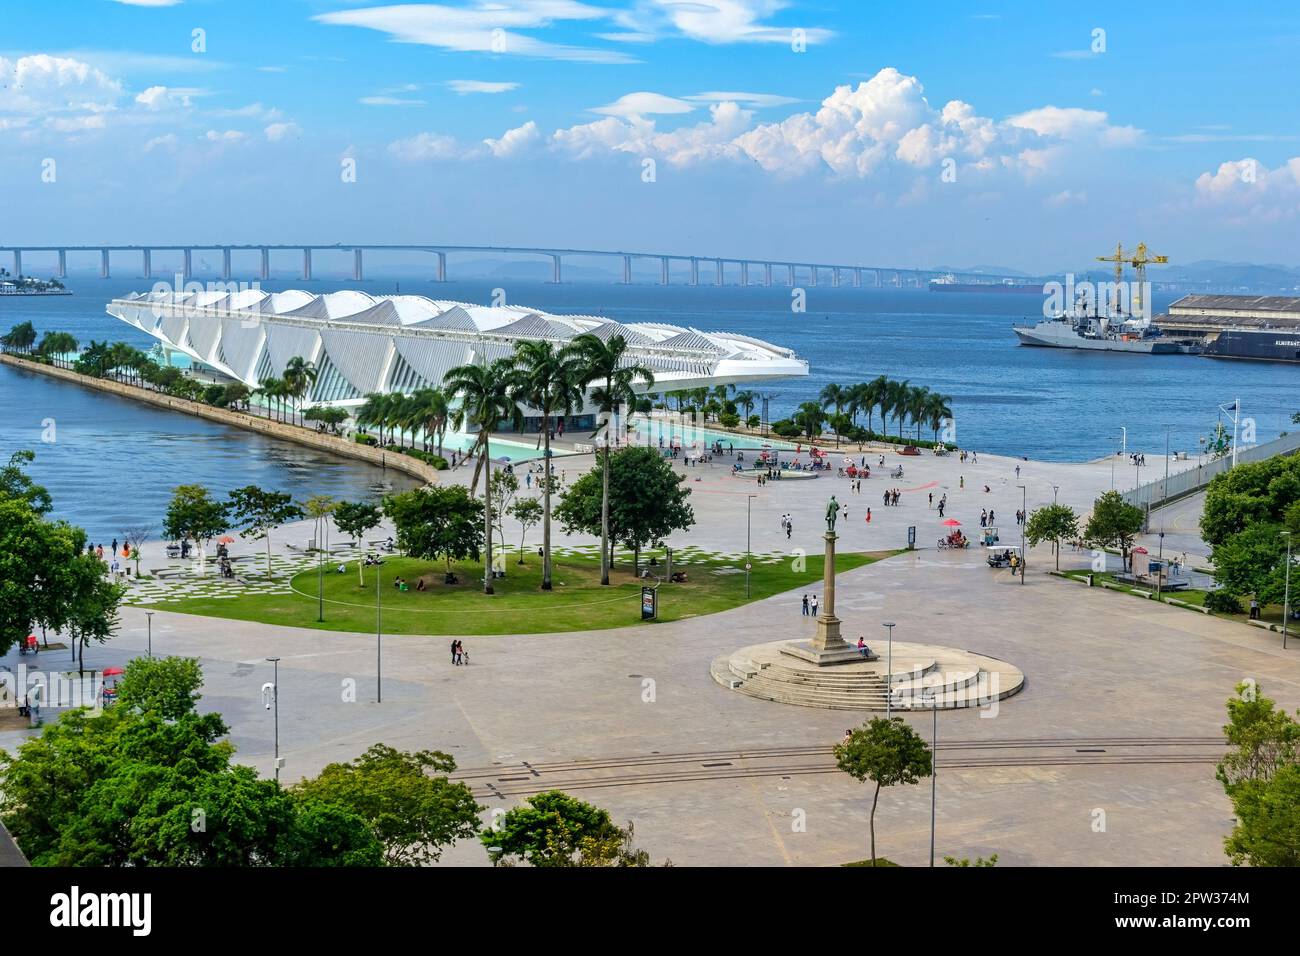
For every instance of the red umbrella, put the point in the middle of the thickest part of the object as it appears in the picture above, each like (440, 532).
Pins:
(225, 539)
(113, 671)
(1140, 550)
(953, 523)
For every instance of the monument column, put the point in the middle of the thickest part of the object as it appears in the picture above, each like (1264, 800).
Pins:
(828, 625)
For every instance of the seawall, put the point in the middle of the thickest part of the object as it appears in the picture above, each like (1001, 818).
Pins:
(292, 433)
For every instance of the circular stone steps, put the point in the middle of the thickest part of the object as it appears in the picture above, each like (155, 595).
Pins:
(923, 675)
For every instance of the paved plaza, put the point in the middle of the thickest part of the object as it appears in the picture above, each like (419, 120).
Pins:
(1084, 766)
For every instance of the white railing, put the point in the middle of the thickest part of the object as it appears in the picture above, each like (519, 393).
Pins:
(1156, 493)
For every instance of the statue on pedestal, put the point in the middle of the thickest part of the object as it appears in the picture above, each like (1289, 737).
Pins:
(832, 512)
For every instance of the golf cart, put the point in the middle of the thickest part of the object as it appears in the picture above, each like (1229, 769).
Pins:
(999, 556)
(988, 536)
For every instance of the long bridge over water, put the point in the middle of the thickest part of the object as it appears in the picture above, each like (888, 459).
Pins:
(857, 275)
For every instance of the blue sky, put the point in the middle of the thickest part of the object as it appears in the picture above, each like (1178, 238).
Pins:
(1023, 134)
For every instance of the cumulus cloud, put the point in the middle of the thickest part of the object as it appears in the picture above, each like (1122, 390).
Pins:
(733, 21)
(43, 84)
(883, 122)
(281, 131)
(1248, 190)
(426, 146)
(158, 98)
(514, 141)
(389, 101)
(226, 136)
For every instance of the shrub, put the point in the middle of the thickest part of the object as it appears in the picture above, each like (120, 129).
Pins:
(361, 438)
(1221, 602)
(729, 419)
(787, 429)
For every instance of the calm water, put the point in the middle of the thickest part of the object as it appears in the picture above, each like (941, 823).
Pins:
(116, 460)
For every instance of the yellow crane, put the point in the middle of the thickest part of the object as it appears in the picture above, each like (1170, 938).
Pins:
(1139, 262)
(1139, 259)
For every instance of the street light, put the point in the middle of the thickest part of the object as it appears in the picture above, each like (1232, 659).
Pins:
(148, 618)
(274, 701)
(934, 764)
(889, 670)
(1286, 599)
(1024, 508)
(749, 507)
(379, 642)
(1055, 488)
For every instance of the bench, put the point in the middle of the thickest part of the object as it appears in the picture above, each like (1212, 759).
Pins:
(170, 572)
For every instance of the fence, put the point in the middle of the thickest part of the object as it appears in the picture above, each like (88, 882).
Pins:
(1155, 494)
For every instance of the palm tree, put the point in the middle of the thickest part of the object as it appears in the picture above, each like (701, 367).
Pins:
(299, 377)
(54, 344)
(895, 403)
(430, 411)
(549, 382)
(810, 416)
(272, 389)
(938, 410)
(746, 400)
(486, 395)
(917, 401)
(607, 363)
(834, 395)
(877, 393)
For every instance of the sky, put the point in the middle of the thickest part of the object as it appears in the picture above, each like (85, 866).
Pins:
(1023, 135)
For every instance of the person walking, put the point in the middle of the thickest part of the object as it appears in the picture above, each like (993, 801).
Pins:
(868, 516)
(1254, 609)
(1017, 471)
(805, 605)
(814, 605)
(930, 503)
(454, 648)
(789, 528)
(941, 508)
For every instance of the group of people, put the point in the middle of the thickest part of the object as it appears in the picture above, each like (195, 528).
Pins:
(810, 605)
(458, 653)
(787, 525)
(891, 497)
(1137, 459)
(988, 519)
(963, 456)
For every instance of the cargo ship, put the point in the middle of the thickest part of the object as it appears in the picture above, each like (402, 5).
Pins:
(950, 284)
(1261, 345)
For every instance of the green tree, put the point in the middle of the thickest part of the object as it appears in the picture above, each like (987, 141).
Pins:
(887, 753)
(54, 344)
(257, 512)
(1054, 523)
(435, 522)
(1261, 777)
(502, 488)
(487, 397)
(299, 376)
(194, 515)
(810, 417)
(647, 501)
(1114, 523)
(549, 381)
(167, 686)
(608, 364)
(556, 829)
(1252, 493)
(405, 798)
(527, 511)
(20, 338)
(16, 483)
(1253, 561)
(355, 519)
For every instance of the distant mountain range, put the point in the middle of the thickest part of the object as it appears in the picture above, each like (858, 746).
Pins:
(1206, 275)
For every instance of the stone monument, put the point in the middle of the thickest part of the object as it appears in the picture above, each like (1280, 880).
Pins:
(827, 646)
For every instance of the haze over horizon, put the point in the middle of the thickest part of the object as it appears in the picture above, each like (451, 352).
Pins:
(766, 129)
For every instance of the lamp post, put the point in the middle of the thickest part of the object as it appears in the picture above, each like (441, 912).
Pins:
(275, 703)
(148, 618)
(1024, 507)
(934, 764)
(889, 670)
(1123, 439)
(1160, 565)
(1055, 489)
(379, 641)
(1286, 599)
(749, 507)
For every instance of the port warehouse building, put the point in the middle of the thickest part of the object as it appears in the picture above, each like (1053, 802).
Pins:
(1205, 314)
(361, 344)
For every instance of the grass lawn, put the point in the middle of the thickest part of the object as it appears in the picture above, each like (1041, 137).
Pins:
(519, 606)
(1269, 614)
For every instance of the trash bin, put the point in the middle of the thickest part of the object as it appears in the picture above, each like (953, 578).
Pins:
(1090, 584)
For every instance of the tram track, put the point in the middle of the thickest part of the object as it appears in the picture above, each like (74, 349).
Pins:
(526, 777)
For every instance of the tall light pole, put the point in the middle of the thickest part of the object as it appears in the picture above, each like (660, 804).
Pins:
(1123, 439)
(934, 764)
(1024, 507)
(379, 642)
(889, 670)
(148, 618)
(275, 703)
(749, 507)
(1286, 599)
(1055, 489)
(1235, 408)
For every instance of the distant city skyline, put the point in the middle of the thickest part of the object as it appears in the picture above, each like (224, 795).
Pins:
(733, 127)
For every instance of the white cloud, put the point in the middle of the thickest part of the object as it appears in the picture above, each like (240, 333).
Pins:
(228, 136)
(514, 141)
(643, 104)
(482, 26)
(1074, 125)
(43, 84)
(426, 146)
(1067, 197)
(256, 111)
(166, 141)
(1249, 191)
(281, 131)
(75, 124)
(463, 87)
(883, 122)
(389, 101)
(752, 100)
(734, 21)
(158, 98)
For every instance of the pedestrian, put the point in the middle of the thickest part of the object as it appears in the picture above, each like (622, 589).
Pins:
(930, 504)
(814, 605)
(528, 480)
(805, 605)
(1254, 609)
(992, 520)
(963, 482)
(941, 509)
(1017, 471)
(984, 517)
(455, 658)
(789, 527)
(868, 516)
(114, 548)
